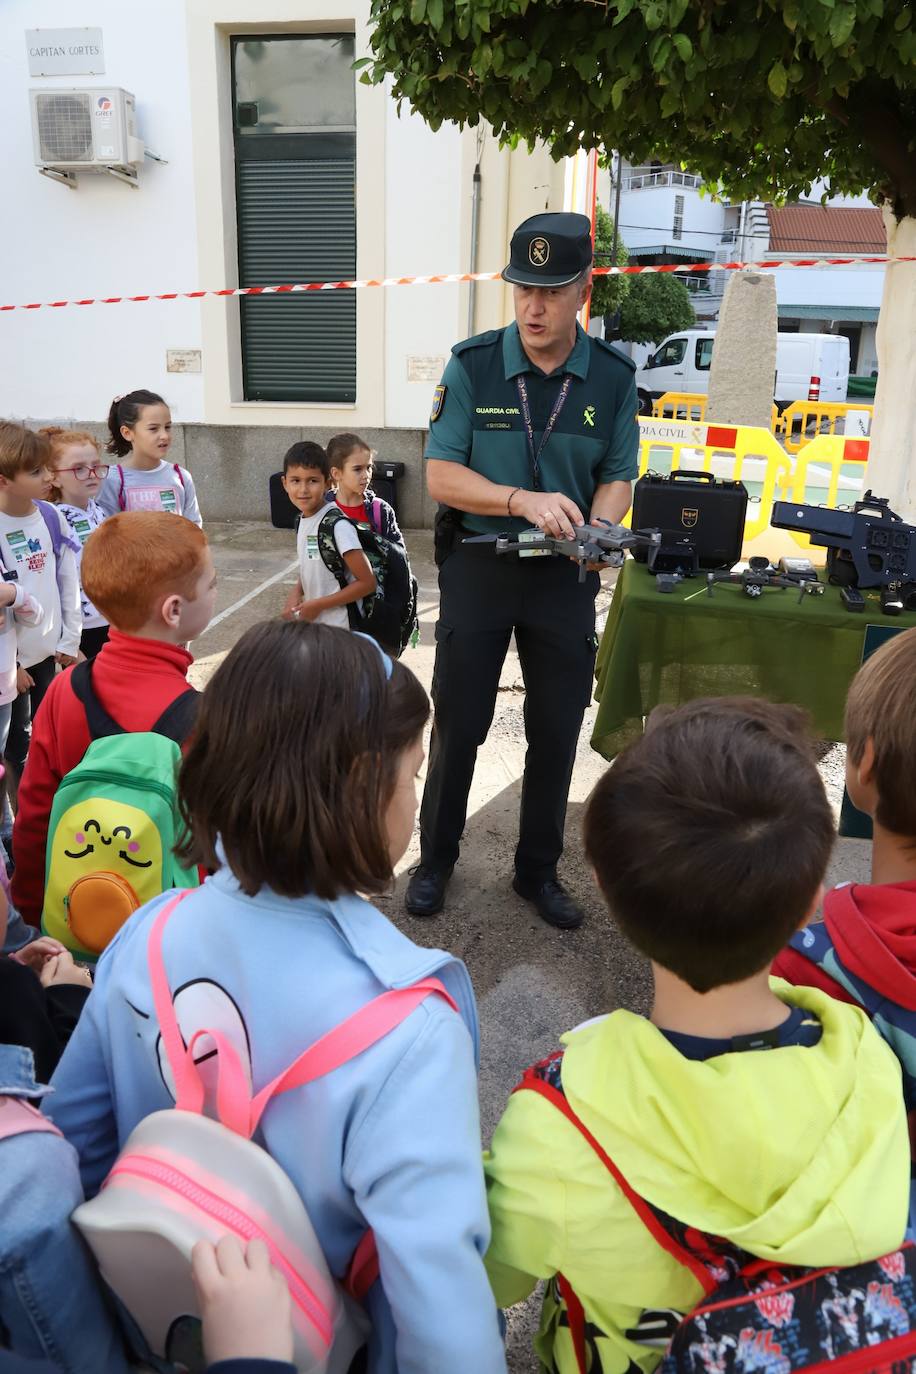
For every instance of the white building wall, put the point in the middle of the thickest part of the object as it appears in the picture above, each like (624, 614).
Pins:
(177, 231)
(647, 218)
(104, 238)
(426, 204)
(832, 287)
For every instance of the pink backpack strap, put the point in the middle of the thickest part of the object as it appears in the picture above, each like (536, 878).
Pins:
(348, 1040)
(18, 1117)
(377, 515)
(122, 502)
(189, 1090)
(179, 474)
(235, 1107)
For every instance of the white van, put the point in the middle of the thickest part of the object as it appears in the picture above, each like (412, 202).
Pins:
(809, 367)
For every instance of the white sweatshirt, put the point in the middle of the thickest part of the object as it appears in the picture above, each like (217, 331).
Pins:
(26, 549)
(25, 610)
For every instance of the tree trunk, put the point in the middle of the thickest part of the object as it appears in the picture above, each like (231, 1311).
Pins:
(891, 470)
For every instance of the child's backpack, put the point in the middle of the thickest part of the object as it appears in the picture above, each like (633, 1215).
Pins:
(114, 824)
(182, 1177)
(389, 615)
(756, 1317)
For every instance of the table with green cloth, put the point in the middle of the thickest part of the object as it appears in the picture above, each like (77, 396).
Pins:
(672, 647)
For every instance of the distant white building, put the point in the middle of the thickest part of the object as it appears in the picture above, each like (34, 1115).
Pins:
(664, 217)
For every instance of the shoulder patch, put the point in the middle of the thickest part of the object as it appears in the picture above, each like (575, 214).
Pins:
(438, 402)
(618, 354)
(477, 341)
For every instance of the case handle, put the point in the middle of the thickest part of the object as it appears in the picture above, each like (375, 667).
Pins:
(692, 475)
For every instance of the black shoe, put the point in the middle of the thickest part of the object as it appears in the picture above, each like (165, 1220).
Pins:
(552, 902)
(425, 895)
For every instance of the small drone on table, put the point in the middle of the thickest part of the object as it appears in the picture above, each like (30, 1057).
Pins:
(759, 574)
(598, 542)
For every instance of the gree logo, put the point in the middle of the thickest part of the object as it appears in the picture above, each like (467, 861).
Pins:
(588, 416)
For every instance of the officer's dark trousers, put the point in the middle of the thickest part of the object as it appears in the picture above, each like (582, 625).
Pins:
(483, 597)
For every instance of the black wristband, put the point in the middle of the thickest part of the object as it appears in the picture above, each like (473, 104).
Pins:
(509, 501)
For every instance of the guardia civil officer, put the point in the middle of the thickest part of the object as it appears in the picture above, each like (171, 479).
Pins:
(533, 427)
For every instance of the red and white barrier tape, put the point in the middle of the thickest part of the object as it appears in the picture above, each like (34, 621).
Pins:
(299, 287)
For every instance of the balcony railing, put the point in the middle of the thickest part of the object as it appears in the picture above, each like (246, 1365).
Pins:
(643, 180)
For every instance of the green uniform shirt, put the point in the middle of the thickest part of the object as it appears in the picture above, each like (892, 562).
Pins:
(477, 419)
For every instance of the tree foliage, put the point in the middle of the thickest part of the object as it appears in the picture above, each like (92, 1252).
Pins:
(763, 96)
(655, 305)
(608, 293)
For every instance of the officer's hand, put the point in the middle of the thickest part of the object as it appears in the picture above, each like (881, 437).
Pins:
(549, 511)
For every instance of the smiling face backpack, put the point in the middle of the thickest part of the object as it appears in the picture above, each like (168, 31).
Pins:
(182, 1177)
(114, 823)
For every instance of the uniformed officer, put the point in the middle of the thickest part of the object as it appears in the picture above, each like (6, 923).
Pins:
(533, 426)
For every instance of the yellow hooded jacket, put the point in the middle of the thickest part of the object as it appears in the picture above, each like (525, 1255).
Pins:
(798, 1154)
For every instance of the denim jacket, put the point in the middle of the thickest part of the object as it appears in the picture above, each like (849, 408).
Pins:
(51, 1303)
(390, 1140)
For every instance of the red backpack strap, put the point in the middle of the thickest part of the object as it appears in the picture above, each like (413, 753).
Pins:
(179, 474)
(364, 1268)
(533, 1082)
(122, 502)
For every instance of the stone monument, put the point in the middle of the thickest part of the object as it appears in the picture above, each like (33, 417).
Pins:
(743, 373)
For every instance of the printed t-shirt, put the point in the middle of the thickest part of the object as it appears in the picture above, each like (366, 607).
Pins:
(316, 578)
(82, 523)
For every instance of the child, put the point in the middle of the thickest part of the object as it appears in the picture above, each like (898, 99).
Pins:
(140, 426)
(317, 595)
(77, 477)
(770, 1117)
(299, 787)
(153, 578)
(864, 949)
(51, 1306)
(350, 462)
(38, 556)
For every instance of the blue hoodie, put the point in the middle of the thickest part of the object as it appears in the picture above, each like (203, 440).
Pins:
(390, 1140)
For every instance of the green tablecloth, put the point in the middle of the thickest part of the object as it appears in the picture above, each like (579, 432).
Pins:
(661, 647)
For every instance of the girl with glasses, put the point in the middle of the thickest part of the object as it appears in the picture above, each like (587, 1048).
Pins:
(76, 479)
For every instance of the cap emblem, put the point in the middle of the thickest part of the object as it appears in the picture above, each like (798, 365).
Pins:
(538, 252)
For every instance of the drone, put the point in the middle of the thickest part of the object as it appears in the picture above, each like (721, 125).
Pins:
(759, 574)
(598, 542)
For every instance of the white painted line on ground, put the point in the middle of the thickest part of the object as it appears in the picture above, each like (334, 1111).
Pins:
(249, 596)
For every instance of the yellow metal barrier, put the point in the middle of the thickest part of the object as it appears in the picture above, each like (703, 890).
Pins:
(742, 452)
(829, 471)
(693, 405)
(800, 414)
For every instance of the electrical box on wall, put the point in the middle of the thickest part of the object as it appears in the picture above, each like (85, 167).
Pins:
(88, 130)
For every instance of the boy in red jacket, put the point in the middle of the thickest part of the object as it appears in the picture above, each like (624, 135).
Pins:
(864, 949)
(152, 577)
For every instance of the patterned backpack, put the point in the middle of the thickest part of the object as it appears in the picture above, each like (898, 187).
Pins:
(755, 1317)
(389, 615)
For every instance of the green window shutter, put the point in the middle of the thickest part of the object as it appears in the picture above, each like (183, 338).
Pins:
(297, 223)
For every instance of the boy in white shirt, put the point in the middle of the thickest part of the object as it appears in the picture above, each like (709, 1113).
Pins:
(317, 595)
(37, 554)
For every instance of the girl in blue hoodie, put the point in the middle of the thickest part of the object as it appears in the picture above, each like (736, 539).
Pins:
(299, 789)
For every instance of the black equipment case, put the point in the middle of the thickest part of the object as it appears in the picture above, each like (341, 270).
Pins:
(695, 505)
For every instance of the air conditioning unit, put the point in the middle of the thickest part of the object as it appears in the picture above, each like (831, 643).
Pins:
(88, 130)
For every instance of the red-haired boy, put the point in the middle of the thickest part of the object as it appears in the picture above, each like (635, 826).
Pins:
(152, 577)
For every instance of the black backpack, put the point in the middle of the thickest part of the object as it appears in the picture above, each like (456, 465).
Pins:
(389, 615)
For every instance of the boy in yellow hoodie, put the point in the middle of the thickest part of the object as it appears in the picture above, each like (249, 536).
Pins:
(770, 1118)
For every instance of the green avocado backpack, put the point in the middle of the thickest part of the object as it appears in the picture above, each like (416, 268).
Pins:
(389, 615)
(114, 824)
